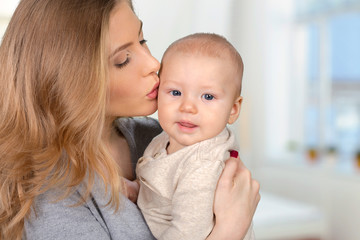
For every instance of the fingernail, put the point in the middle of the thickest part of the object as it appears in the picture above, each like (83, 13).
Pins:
(234, 153)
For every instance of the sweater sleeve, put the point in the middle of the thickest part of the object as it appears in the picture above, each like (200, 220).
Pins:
(58, 220)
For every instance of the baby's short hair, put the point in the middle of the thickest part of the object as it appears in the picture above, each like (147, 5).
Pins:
(211, 45)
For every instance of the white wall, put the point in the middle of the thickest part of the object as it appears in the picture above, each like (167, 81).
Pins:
(6, 9)
(248, 33)
(166, 21)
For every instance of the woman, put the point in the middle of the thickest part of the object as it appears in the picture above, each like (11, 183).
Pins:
(70, 69)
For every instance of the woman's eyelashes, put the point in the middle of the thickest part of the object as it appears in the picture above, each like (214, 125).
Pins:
(124, 63)
(127, 60)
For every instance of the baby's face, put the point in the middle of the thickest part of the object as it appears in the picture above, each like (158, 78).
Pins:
(196, 96)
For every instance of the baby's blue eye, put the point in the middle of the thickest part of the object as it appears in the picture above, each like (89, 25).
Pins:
(175, 93)
(208, 96)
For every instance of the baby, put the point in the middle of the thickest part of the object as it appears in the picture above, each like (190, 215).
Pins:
(199, 93)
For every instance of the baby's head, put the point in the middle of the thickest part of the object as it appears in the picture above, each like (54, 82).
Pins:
(200, 86)
(208, 45)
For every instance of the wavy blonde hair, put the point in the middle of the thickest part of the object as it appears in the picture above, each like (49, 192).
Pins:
(53, 92)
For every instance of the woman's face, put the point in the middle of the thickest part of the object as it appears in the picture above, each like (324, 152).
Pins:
(133, 80)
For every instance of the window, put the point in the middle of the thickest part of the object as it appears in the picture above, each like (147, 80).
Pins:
(324, 91)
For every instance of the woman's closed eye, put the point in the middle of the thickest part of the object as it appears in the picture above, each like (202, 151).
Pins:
(122, 59)
(208, 96)
(127, 58)
(123, 64)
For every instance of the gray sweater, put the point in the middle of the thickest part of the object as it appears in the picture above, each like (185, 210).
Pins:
(58, 220)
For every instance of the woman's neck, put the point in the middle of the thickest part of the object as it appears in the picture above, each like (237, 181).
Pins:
(118, 148)
(109, 130)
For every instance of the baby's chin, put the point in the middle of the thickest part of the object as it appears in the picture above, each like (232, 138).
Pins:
(188, 141)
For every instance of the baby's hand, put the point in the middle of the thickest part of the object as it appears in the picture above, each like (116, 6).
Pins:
(131, 189)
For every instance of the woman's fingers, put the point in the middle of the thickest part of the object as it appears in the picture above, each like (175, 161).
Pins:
(229, 173)
(236, 198)
(247, 185)
(256, 190)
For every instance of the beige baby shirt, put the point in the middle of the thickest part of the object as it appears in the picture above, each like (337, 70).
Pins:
(177, 190)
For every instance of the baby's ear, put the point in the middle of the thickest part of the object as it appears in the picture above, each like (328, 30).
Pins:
(235, 110)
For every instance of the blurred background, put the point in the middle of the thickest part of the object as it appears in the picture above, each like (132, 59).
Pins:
(299, 127)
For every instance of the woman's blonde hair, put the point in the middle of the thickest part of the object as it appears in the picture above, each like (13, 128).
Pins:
(53, 92)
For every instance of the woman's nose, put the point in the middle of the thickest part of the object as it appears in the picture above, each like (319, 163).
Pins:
(152, 64)
(188, 106)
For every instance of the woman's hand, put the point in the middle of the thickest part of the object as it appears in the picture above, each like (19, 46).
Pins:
(236, 198)
(131, 189)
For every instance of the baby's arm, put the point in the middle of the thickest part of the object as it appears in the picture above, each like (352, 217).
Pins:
(192, 203)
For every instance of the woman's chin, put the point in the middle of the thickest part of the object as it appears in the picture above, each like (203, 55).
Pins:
(150, 112)
(145, 111)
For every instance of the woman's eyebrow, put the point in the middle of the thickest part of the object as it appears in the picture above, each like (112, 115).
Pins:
(122, 47)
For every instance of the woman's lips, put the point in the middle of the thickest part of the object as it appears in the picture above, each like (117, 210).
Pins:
(154, 92)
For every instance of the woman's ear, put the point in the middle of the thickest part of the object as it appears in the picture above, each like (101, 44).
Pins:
(235, 110)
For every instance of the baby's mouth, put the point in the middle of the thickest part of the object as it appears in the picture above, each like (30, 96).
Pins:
(187, 124)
